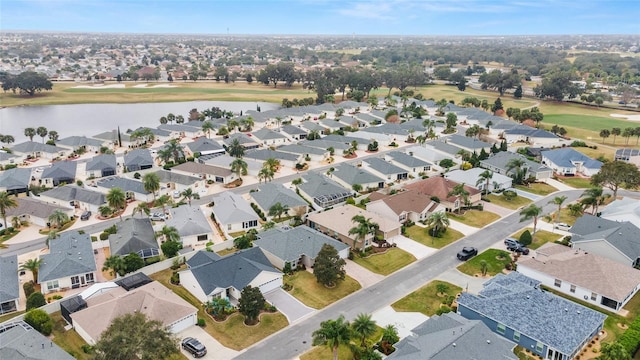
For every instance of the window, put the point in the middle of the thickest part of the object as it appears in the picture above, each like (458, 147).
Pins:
(516, 336)
(89, 277)
(203, 237)
(594, 296)
(573, 288)
(51, 285)
(501, 329)
(249, 224)
(557, 283)
(75, 280)
(539, 347)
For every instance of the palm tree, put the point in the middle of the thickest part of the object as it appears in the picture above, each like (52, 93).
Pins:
(117, 200)
(105, 211)
(365, 227)
(188, 194)
(278, 209)
(15, 222)
(116, 264)
(520, 171)
(163, 120)
(163, 201)
(53, 135)
(438, 221)
(30, 133)
(239, 167)
(164, 155)
(333, 333)
(364, 327)
(141, 208)
(531, 212)
(558, 200)
(264, 174)
(32, 265)
(575, 209)
(179, 119)
(6, 203)
(58, 218)
(273, 164)
(207, 126)
(170, 233)
(151, 183)
(176, 150)
(615, 132)
(236, 149)
(51, 236)
(232, 124)
(604, 134)
(313, 135)
(42, 132)
(594, 197)
(389, 337)
(171, 118)
(247, 123)
(486, 177)
(460, 191)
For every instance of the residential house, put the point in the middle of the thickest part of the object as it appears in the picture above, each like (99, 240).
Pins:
(384, 134)
(116, 139)
(133, 189)
(15, 181)
(20, 341)
(297, 246)
(338, 147)
(269, 194)
(246, 141)
(153, 300)
(535, 137)
(402, 206)
(322, 191)
(171, 181)
(310, 126)
(631, 156)
(582, 275)
(269, 137)
(9, 159)
(101, 166)
(138, 159)
(69, 264)
(224, 161)
(430, 154)
(10, 284)
(467, 143)
(209, 173)
(451, 336)
(209, 277)
(413, 165)
(550, 326)
(625, 209)
(204, 146)
(182, 130)
(569, 162)
(191, 224)
(35, 211)
(75, 196)
(286, 159)
(233, 213)
(348, 175)
(338, 221)
(305, 152)
(384, 169)
(498, 163)
(134, 235)
(80, 144)
(331, 125)
(293, 132)
(36, 150)
(497, 182)
(617, 241)
(61, 172)
(440, 187)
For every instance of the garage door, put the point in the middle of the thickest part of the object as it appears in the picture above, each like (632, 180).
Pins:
(273, 284)
(184, 323)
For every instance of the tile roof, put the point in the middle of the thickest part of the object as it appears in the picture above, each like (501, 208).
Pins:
(132, 235)
(69, 254)
(515, 301)
(10, 284)
(440, 187)
(290, 245)
(271, 193)
(74, 192)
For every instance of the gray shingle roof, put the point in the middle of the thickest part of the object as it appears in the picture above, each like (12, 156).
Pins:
(231, 208)
(623, 236)
(302, 150)
(466, 142)
(112, 136)
(33, 207)
(73, 192)
(514, 300)
(530, 132)
(264, 154)
(267, 134)
(102, 162)
(69, 254)
(354, 175)
(407, 160)
(6, 156)
(242, 138)
(325, 144)
(589, 224)
(138, 158)
(189, 220)
(10, 285)
(22, 342)
(235, 270)
(290, 245)
(316, 185)
(384, 167)
(61, 170)
(32, 146)
(311, 125)
(205, 145)
(293, 130)
(565, 157)
(79, 141)
(14, 179)
(450, 336)
(172, 177)
(443, 147)
(132, 235)
(501, 159)
(271, 193)
(123, 183)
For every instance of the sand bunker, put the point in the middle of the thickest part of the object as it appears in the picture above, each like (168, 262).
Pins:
(154, 86)
(627, 117)
(112, 86)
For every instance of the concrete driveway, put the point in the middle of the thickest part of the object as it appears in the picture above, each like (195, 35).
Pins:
(364, 276)
(291, 307)
(466, 282)
(215, 350)
(413, 247)
(403, 321)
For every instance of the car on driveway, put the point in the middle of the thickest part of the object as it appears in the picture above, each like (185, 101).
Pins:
(563, 226)
(515, 245)
(85, 215)
(467, 253)
(194, 347)
(157, 216)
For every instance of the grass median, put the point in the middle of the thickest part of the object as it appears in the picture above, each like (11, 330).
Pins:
(385, 263)
(427, 299)
(306, 289)
(424, 237)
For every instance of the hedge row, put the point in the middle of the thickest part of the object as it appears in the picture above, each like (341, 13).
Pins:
(630, 339)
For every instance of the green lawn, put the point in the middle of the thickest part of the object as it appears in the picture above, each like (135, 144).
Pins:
(475, 218)
(228, 251)
(588, 122)
(425, 300)
(386, 263)
(494, 265)
(69, 340)
(540, 238)
(311, 293)
(423, 236)
(10, 316)
(232, 333)
(576, 182)
(565, 217)
(514, 204)
(537, 188)
(344, 352)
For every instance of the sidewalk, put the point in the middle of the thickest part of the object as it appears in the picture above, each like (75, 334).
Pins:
(466, 282)
(364, 276)
(558, 185)
(466, 230)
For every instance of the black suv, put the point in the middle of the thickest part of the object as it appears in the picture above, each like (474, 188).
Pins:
(467, 253)
(85, 215)
(194, 347)
(515, 245)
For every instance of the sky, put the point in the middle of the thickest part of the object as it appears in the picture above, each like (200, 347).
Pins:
(334, 17)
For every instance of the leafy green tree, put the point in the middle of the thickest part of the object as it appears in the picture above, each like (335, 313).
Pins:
(451, 122)
(242, 242)
(35, 300)
(6, 202)
(39, 320)
(135, 337)
(446, 163)
(518, 92)
(28, 83)
(531, 212)
(329, 267)
(497, 80)
(616, 174)
(333, 333)
(116, 200)
(441, 288)
(250, 304)
(363, 326)
(151, 183)
(613, 351)
(497, 105)
(526, 238)
(132, 262)
(170, 248)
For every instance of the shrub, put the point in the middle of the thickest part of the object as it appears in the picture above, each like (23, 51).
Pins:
(35, 300)
(351, 201)
(175, 278)
(94, 238)
(630, 340)
(87, 349)
(526, 238)
(29, 288)
(104, 236)
(40, 320)
(443, 310)
(201, 322)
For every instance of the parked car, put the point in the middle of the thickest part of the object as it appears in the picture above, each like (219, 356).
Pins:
(563, 226)
(521, 249)
(467, 253)
(510, 242)
(194, 347)
(85, 215)
(176, 194)
(157, 216)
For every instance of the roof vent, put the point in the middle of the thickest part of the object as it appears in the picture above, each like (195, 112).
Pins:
(488, 341)
(565, 309)
(578, 311)
(454, 344)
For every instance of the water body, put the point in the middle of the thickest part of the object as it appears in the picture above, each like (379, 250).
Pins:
(92, 119)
